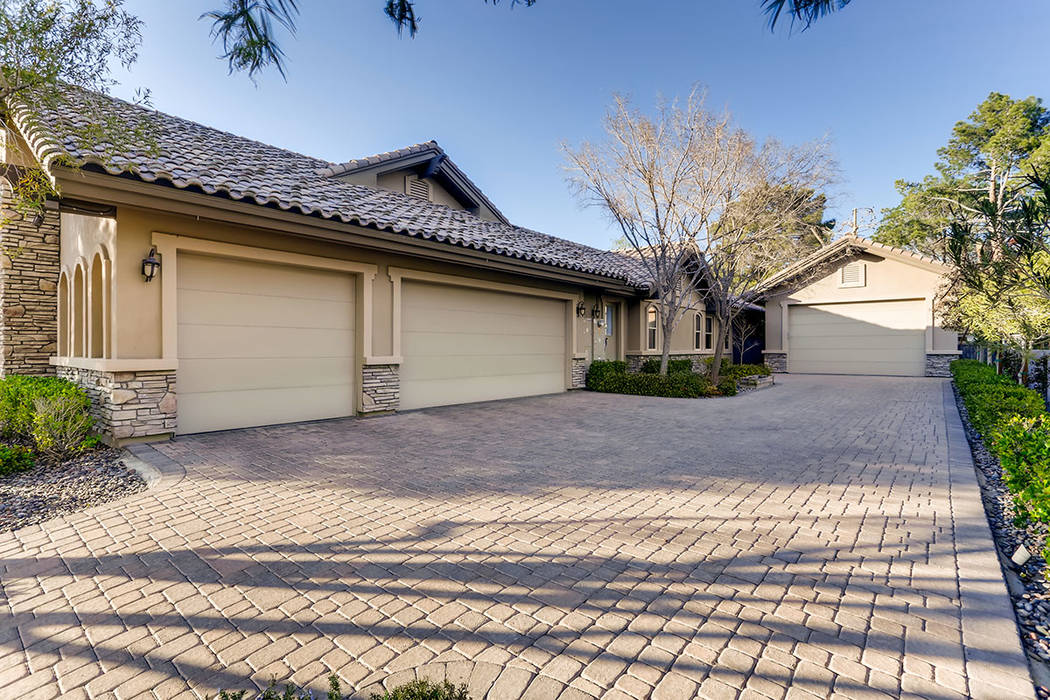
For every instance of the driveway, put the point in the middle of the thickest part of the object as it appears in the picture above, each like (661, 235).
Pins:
(821, 538)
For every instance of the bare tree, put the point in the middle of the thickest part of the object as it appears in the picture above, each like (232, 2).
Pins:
(708, 210)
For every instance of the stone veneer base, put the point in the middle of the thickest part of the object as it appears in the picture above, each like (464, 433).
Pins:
(128, 406)
(380, 388)
(580, 365)
(938, 364)
(777, 361)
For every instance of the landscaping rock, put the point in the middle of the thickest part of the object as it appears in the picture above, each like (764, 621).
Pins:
(51, 489)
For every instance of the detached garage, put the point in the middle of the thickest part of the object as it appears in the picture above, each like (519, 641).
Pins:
(858, 307)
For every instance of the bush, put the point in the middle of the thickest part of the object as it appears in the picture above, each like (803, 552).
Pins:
(1023, 448)
(613, 378)
(728, 369)
(415, 690)
(51, 412)
(652, 366)
(62, 426)
(425, 690)
(15, 458)
(727, 386)
(991, 398)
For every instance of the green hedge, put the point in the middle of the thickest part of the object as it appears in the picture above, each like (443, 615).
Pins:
(652, 366)
(1014, 425)
(728, 369)
(15, 458)
(612, 377)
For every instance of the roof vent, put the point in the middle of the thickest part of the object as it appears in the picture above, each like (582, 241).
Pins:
(853, 275)
(414, 187)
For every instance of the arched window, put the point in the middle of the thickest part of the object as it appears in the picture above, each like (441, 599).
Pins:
(650, 328)
(698, 331)
(63, 315)
(96, 301)
(79, 292)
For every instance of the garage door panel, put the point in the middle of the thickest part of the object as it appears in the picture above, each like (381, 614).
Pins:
(215, 375)
(268, 311)
(267, 406)
(462, 345)
(442, 344)
(858, 338)
(261, 343)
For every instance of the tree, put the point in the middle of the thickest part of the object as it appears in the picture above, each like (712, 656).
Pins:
(708, 210)
(47, 46)
(803, 12)
(989, 154)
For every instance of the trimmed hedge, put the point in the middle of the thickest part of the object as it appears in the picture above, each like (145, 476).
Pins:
(728, 369)
(1014, 425)
(652, 366)
(612, 377)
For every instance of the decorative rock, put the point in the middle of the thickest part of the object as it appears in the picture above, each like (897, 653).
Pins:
(119, 396)
(168, 404)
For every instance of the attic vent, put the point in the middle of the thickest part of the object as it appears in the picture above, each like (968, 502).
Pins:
(853, 275)
(414, 187)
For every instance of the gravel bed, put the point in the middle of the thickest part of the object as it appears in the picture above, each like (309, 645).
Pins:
(51, 489)
(1030, 593)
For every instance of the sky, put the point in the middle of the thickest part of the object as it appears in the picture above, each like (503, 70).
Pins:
(501, 88)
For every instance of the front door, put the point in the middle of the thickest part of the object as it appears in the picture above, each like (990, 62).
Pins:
(606, 333)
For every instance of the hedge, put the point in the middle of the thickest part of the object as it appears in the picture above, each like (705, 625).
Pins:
(612, 377)
(1014, 425)
(652, 366)
(728, 369)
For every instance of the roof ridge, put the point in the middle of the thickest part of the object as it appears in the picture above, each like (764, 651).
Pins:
(339, 168)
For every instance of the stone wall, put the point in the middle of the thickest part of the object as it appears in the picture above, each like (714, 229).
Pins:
(380, 388)
(28, 291)
(579, 372)
(937, 364)
(635, 362)
(128, 404)
(777, 361)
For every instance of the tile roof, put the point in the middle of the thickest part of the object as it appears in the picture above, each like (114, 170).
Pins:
(189, 155)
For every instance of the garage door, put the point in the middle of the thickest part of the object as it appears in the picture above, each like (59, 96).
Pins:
(462, 345)
(262, 344)
(865, 338)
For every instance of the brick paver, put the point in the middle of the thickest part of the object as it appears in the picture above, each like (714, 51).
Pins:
(802, 541)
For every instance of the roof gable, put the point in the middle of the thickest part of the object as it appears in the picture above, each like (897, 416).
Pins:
(426, 160)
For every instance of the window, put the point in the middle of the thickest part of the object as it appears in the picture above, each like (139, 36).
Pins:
(853, 275)
(709, 333)
(698, 332)
(725, 346)
(650, 328)
(610, 317)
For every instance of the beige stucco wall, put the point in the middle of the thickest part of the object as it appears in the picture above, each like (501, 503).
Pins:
(681, 340)
(395, 182)
(887, 279)
(139, 325)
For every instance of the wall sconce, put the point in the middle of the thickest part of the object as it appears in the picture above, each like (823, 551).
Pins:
(581, 309)
(38, 220)
(596, 311)
(150, 264)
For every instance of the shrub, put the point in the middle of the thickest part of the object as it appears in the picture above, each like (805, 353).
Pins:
(425, 690)
(1023, 448)
(652, 366)
(613, 378)
(727, 386)
(728, 369)
(15, 458)
(62, 425)
(991, 398)
(288, 692)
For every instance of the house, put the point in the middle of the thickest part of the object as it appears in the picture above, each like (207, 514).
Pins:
(201, 281)
(858, 307)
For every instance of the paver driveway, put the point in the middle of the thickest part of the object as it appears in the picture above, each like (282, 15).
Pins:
(803, 540)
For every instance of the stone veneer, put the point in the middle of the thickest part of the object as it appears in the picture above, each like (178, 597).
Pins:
(380, 388)
(580, 366)
(28, 291)
(777, 361)
(635, 362)
(128, 404)
(937, 364)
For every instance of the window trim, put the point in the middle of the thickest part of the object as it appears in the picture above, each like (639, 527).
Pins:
(709, 332)
(652, 327)
(698, 331)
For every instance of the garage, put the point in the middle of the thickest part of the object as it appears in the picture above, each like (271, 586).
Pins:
(262, 343)
(878, 337)
(464, 344)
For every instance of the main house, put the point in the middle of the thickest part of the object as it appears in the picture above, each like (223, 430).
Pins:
(203, 281)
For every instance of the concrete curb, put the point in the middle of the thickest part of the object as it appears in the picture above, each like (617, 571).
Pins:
(995, 662)
(156, 469)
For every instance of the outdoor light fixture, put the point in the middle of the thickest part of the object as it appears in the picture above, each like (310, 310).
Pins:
(581, 309)
(38, 219)
(596, 311)
(150, 264)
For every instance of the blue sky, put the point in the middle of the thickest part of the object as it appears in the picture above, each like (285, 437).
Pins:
(500, 89)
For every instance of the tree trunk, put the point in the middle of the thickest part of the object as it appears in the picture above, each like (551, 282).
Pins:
(720, 342)
(665, 352)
